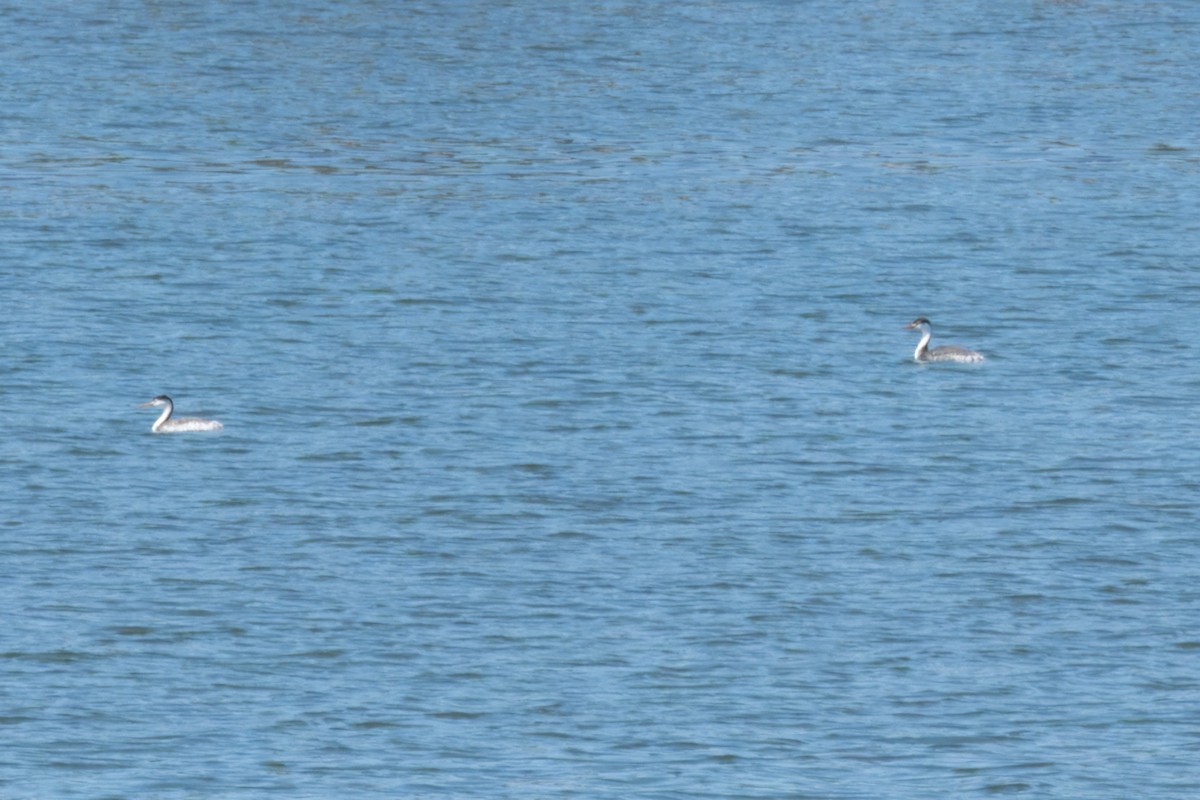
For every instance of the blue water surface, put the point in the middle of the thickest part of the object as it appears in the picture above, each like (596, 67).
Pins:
(573, 447)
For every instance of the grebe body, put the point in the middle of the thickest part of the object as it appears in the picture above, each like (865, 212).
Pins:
(946, 352)
(164, 423)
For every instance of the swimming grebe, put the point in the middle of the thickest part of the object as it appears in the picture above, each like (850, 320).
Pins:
(164, 424)
(947, 352)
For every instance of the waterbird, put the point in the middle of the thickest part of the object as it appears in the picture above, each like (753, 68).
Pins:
(946, 352)
(164, 424)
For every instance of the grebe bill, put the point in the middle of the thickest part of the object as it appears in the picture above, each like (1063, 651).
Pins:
(946, 352)
(164, 423)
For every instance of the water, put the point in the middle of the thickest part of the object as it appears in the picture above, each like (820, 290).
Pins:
(573, 447)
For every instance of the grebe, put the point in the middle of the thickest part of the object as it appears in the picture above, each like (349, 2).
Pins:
(164, 424)
(947, 352)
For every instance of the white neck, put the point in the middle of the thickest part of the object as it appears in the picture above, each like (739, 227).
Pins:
(926, 335)
(163, 417)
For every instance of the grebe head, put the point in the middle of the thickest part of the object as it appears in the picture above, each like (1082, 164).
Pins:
(161, 400)
(916, 324)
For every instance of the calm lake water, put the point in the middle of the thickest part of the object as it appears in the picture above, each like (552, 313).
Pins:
(573, 447)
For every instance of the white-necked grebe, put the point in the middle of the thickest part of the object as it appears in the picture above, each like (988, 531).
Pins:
(164, 424)
(946, 352)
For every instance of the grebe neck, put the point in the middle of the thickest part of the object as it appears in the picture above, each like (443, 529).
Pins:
(163, 417)
(918, 354)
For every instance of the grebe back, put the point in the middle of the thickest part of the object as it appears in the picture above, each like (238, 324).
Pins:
(946, 352)
(164, 423)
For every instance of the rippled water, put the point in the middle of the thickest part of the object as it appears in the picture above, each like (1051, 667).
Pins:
(572, 445)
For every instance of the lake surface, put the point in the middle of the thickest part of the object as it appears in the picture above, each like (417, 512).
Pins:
(573, 447)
